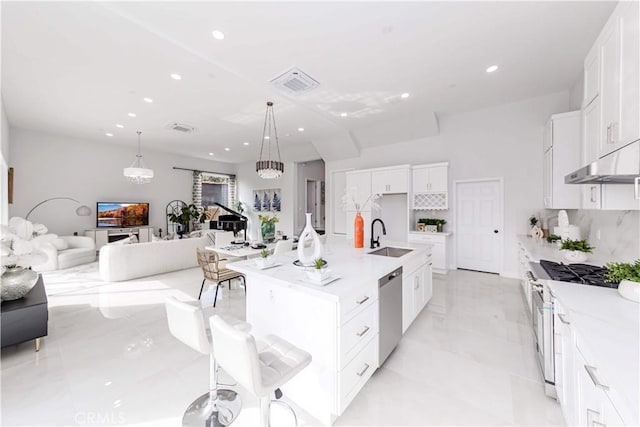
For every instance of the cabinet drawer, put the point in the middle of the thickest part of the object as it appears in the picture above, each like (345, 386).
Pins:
(358, 301)
(357, 372)
(427, 238)
(356, 332)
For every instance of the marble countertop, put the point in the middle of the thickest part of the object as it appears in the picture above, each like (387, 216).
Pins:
(354, 266)
(609, 327)
(538, 249)
(434, 233)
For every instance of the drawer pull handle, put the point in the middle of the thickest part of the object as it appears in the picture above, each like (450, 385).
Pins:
(552, 294)
(563, 319)
(364, 331)
(363, 300)
(591, 371)
(361, 373)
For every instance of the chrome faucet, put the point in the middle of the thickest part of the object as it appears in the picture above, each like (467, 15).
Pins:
(376, 243)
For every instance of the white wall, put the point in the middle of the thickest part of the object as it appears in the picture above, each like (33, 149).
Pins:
(503, 141)
(248, 180)
(4, 165)
(54, 166)
(313, 170)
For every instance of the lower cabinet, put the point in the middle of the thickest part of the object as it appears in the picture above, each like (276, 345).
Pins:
(582, 391)
(104, 236)
(440, 250)
(417, 290)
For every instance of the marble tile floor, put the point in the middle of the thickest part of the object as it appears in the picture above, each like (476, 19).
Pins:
(109, 359)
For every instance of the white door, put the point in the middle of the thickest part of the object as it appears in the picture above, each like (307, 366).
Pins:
(479, 225)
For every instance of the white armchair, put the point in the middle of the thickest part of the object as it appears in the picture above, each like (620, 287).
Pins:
(67, 251)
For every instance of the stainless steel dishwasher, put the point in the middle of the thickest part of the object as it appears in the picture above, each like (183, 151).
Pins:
(390, 313)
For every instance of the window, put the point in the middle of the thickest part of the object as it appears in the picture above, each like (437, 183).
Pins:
(218, 188)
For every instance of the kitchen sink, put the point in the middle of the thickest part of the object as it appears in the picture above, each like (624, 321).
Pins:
(391, 252)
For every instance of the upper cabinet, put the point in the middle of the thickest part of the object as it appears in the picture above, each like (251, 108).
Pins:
(561, 143)
(430, 186)
(390, 181)
(612, 74)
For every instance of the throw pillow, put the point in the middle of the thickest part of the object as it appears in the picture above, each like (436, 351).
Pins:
(60, 244)
(155, 238)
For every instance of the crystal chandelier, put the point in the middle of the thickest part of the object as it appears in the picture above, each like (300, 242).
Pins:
(138, 173)
(268, 167)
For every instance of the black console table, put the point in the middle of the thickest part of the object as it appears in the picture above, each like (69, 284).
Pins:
(26, 318)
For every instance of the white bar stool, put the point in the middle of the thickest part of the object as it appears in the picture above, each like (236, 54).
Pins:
(262, 367)
(218, 407)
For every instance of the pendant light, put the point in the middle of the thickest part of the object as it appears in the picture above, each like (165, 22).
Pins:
(268, 167)
(138, 173)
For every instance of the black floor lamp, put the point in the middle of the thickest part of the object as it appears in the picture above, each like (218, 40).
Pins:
(82, 210)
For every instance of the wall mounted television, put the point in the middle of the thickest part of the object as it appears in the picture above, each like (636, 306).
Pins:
(121, 215)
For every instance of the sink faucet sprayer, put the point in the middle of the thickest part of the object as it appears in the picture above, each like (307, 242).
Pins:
(376, 243)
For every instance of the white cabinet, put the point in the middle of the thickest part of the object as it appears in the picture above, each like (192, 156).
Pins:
(562, 137)
(430, 178)
(439, 251)
(564, 349)
(590, 150)
(619, 46)
(359, 185)
(417, 290)
(390, 181)
(104, 236)
(591, 75)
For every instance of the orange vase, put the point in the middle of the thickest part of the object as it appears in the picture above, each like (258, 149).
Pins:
(358, 231)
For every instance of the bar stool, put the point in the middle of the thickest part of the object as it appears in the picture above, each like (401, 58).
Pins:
(283, 246)
(218, 407)
(261, 367)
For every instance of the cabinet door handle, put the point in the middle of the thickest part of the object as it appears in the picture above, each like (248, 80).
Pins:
(609, 134)
(552, 294)
(363, 331)
(592, 374)
(614, 127)
(564, 320)
(364, 369)
(362, 300)
(636, 183)
(592, 195)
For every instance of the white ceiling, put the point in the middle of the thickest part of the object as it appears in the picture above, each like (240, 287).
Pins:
(78, 68)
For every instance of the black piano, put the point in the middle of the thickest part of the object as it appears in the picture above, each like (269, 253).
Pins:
(234, 221)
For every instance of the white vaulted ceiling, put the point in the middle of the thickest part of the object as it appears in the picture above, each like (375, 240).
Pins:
(78, 68)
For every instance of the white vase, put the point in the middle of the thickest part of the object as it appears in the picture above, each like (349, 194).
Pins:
(574, 256)
(314, 251)
(629, 290)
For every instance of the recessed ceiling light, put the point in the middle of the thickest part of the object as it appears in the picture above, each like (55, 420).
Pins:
(227, 149)
(176, 76)
(109, 134)
(217, 34)
(245, 143)
(343, 114)
(404, 95)
(492, 68)
(131, 114)
(211, 154)
(300, 129)
(119, 126)
(266, 137)
(149, 100)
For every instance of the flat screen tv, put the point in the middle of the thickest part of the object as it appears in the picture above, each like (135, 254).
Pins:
(121, 215)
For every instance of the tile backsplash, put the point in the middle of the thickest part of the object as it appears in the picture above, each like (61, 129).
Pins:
(619, 232)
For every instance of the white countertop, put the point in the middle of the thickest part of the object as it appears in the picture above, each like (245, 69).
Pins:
(539, 249)
(609, 326)
(433, 233)
(354, 266)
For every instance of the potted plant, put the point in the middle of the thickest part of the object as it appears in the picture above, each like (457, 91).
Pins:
(268, 227)
(188, 214)
(576, 250)
(440, 224)
(319, 272)
(554, 238)
(628, 277)
(265, 259)
(533, 221)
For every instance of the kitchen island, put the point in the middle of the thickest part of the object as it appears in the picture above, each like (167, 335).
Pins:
(337, 323)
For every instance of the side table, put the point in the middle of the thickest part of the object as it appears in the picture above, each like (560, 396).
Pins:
(26, 318)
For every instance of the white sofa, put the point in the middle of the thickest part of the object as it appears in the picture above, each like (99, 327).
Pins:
(125, 262)
(80, 250)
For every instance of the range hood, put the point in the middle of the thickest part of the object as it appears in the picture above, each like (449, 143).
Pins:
(619, 167)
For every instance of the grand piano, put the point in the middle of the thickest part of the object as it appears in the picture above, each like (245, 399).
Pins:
(234, 221)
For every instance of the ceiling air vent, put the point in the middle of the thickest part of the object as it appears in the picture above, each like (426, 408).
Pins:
(180, 127)
(295, 82)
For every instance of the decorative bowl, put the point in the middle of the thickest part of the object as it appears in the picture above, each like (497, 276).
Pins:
(574, 256)
(629, 290)
(16, 282)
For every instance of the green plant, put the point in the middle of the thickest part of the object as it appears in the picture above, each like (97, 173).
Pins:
(188, 214)
(432, 221)
(318, 263)
(619, 271)
(265, 253)
(533, 220)
(238, 207)
(553, 238)
(265, 219)
(576, 245)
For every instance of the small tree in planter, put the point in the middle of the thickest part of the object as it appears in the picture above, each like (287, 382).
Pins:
(265, 259)
(188, 214)
(319, 272)
(628, 277)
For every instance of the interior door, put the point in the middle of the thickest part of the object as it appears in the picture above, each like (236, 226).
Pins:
(479, 225)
